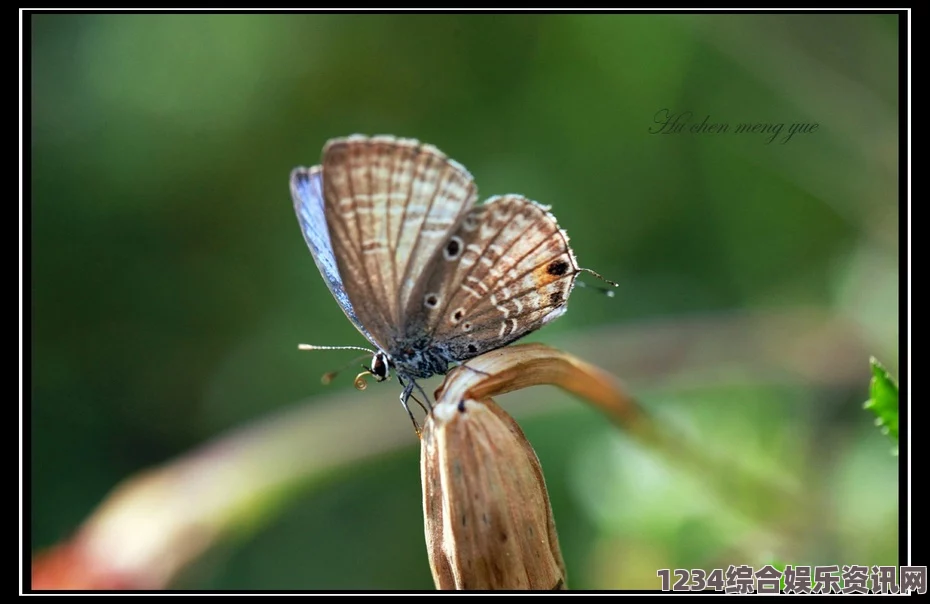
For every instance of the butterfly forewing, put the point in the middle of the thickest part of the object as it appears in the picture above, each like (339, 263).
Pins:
(307, 193)
(369, 167)
(391, 204)
(509, 271)
(442, 192)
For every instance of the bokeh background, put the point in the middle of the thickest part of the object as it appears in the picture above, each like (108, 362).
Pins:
(170, 283)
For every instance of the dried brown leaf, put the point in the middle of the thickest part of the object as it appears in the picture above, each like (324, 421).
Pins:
(488, 520)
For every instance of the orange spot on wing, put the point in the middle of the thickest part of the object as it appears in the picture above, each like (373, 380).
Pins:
(543, 275)
(551, 271)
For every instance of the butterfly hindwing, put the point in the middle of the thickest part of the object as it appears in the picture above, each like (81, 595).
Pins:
(511, 272)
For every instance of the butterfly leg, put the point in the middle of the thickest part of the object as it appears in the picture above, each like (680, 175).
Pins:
(404, 397)
(425, 397)
(409, 396)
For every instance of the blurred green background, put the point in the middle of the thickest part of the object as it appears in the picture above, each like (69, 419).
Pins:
(170, 282)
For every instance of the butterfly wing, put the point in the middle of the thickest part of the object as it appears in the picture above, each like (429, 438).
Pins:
(390, 204)
(508, 271)
(307, 193)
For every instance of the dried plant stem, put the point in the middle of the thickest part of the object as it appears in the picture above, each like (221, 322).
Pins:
(521, 366)
(235, 483)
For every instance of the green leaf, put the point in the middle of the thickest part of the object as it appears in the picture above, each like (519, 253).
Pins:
(884, 400)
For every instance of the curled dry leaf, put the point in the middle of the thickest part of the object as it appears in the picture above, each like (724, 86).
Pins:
(524, 365)
(488, 520)
(446, 453)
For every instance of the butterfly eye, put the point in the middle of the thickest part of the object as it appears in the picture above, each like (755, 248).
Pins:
(379, 367)
(453, 249)
(457, 315)
(431, 300)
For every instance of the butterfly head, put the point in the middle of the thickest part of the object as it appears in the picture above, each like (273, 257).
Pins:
(380, 364)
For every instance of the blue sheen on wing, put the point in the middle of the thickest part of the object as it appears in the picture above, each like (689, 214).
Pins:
(307, 190)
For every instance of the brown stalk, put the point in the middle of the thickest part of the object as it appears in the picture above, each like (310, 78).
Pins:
(154, 524)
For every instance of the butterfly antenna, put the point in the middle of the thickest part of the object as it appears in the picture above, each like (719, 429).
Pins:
(331, 375)
(604, 290)
(315, 347)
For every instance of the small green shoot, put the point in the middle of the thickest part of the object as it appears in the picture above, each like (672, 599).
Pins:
(883, 401)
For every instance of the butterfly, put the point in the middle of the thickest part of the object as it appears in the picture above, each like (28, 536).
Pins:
(428, 276)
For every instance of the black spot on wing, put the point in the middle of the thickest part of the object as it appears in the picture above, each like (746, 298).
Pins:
(557, 268)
